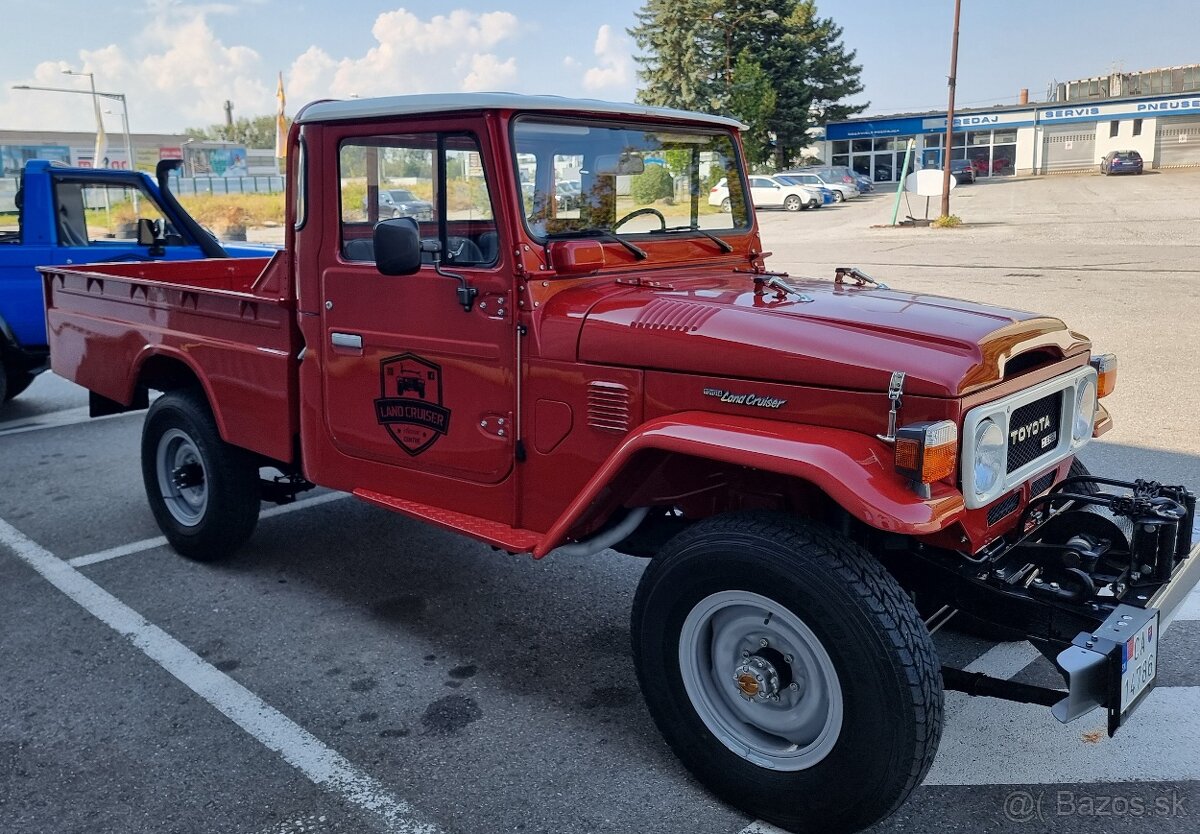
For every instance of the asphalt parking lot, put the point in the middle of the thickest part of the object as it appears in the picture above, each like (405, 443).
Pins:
(356, 671)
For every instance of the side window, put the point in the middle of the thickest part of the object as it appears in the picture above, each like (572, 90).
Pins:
(104, 214)
(436, 179)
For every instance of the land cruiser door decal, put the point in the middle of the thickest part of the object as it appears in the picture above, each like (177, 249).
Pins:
(410, 402)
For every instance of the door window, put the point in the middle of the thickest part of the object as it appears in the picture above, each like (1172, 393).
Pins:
(436, 179)
(106, 214)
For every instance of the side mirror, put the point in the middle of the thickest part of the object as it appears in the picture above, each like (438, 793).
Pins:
(397, 246)
(148, 231)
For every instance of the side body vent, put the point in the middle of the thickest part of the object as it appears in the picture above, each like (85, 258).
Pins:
(608, 406)
(673, 316)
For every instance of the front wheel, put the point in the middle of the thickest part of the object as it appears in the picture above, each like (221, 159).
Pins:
(793, 203)
(204, 493)
(788, 671)
(839, 197)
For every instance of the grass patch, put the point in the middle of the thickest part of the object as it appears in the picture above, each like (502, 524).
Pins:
(223, 210)
(947, 221)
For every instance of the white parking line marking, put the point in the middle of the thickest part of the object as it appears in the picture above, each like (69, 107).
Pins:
(160, 541)
(760, 827)
(297, 746)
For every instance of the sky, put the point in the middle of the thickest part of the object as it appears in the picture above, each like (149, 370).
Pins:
(178, 61)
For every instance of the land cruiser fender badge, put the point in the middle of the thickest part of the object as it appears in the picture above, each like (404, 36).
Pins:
(744, 399)
(410, 402)
(895, 395)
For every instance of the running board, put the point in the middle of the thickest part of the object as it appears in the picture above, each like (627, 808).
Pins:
(512, 539)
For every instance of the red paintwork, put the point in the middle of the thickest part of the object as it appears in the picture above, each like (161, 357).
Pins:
(610, 408)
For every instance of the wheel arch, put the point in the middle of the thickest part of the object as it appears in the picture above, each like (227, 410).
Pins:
(849, 469)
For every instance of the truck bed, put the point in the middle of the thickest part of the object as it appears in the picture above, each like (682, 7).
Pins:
(115, 326)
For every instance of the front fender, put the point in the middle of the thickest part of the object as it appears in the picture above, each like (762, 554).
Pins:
(853, 469)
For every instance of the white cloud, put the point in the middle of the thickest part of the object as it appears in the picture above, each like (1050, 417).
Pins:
(413, 55)
(177, 72)
(614, 66)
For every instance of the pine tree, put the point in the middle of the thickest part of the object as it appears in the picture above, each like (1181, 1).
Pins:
(676, 62)
(775, 64)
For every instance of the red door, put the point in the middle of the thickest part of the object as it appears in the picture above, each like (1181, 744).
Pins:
(411, 380)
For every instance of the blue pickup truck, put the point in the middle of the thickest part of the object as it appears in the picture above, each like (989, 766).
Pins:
(60, 216)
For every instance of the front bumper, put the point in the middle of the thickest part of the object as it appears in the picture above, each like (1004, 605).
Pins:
(1095, 664)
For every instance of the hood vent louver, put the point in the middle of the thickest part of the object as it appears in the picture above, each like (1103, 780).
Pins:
(673, 316)
(608, 406)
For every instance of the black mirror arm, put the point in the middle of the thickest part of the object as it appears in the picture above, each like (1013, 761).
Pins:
(466, 293)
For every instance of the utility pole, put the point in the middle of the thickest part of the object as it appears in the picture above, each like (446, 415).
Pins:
(950, 115)
(229, 108)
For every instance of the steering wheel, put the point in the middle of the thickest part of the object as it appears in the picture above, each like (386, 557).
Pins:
(639, 213)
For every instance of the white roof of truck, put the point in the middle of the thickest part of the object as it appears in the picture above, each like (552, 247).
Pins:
(373, 108)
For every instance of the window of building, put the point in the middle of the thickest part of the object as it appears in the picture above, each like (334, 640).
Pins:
(840, 159)
(862, 145)
(841, 147)
(1114, 127)
(1137, 127)
(1004, 137)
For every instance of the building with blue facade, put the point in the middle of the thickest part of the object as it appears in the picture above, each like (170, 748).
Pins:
(1025, 139)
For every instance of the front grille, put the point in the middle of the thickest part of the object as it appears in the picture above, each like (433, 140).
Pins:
(1002, 509)
(1041, 484)
(1033, 430)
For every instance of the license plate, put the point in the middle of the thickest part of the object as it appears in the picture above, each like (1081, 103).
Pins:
(1139, 664)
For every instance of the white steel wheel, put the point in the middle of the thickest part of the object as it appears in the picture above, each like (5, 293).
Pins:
(182, 478)
(760, 680)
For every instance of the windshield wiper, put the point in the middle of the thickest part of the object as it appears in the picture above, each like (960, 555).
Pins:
(598, 231)
(725, 247)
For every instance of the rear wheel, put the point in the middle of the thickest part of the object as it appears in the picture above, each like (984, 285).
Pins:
(204, 493)
(788, 671)
(726, 205)
(793, 203)
(17, 382)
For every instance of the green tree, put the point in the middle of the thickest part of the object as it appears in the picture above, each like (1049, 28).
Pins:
(655, 183)
(721, 56)
(676, 62)
(752, 99)
(256, 132)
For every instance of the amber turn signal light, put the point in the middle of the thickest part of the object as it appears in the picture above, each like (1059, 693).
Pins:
(927, 452)
(1106, 373)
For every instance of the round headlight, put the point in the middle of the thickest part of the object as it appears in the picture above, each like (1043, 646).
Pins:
(989, 456)
(1085, 410)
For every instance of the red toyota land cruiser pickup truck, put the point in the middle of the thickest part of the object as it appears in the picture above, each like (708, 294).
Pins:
(808, 463)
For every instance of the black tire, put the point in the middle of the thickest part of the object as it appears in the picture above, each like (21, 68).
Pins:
(1078, 470)
(887, 670)
(12, 383)
(226, 475)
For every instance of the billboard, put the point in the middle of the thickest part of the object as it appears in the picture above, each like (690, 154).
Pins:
(228, 161)
(14, 157)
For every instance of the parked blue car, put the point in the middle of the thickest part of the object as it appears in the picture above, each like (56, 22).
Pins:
(1121, 162)
(59, 215)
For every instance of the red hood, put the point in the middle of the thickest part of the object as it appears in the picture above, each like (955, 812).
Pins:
(846, 337)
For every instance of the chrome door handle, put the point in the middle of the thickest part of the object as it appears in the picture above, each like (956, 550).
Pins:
(346, 340)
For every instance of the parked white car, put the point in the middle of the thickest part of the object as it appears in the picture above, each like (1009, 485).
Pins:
(842, 191)
(768, 192)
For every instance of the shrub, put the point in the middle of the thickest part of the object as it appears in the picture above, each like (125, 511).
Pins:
(947, 221)
(655, 183)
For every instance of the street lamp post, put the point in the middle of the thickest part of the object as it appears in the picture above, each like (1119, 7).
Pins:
(96, 93)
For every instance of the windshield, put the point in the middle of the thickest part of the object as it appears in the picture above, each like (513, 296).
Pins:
(401, 196)
(578, 175)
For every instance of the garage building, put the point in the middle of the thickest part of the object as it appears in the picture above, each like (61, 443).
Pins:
(1031, 138)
